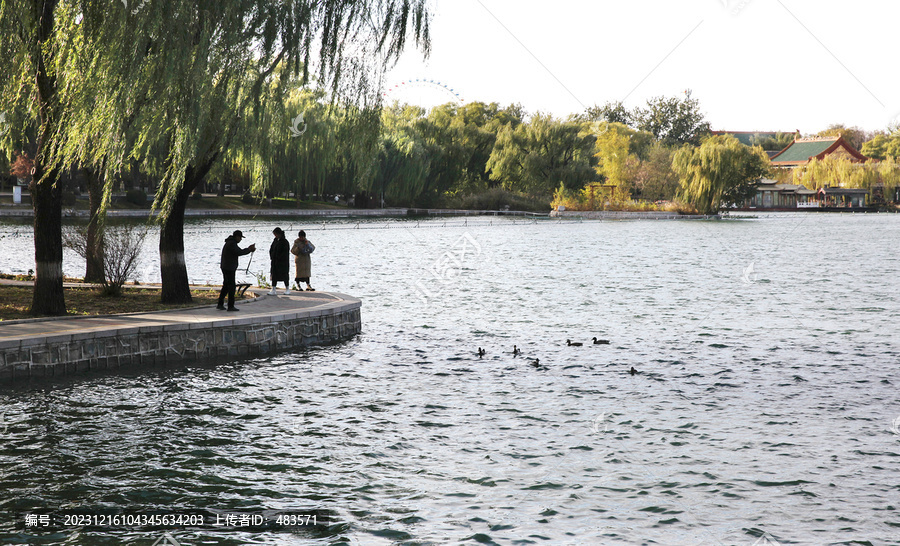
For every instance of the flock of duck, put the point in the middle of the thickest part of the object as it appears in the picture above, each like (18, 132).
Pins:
(537, 362)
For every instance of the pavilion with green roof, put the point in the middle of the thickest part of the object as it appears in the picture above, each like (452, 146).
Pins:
(802, 150)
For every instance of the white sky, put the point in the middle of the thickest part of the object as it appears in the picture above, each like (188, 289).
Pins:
(754, 65)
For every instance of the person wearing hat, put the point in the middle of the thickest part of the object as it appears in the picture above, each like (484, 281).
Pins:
(230, 254)
(280, 255)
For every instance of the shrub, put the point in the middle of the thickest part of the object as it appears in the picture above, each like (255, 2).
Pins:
(497, 199)
(248, 198)
(121, 252)
(196, 196)
(261, 280)
(137, 197)
(122, 256)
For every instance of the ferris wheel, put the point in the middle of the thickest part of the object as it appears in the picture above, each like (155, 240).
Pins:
(423, 92)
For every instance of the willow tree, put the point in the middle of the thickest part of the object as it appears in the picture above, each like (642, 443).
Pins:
(403, 162)
(314, 145)
(720, 172)
(883, 146)
(192, 77)
(31, 83)
(535, 157)
(874, 176)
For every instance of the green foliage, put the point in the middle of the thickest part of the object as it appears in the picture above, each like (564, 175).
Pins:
(883, 146)
(262, 280)
(192, 93)
(597, 196)
(496, 199)
(616, 162)
(673, 121)
(720, 172)
(654, 179)
(594, 196)
(883, 176)
(535, 157)
(403, 162)
(611, 112)
(171, 86)
(854, 135)
(777, 143)
(460, 139)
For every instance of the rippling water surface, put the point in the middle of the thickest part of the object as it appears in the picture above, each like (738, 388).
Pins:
(765, 408)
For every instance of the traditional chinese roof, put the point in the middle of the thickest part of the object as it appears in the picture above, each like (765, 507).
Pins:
(831, 190)
(768, 184)
(802, 150)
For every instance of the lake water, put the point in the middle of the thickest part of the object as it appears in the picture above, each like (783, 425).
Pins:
(765, 409)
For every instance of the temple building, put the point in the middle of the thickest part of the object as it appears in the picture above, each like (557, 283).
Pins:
(774, 196)
(803, 150)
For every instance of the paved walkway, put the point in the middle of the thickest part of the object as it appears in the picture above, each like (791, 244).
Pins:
(260, 308)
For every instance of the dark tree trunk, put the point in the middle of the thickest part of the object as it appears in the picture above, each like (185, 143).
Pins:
(46, 197)
(94, 266)
(175, 285)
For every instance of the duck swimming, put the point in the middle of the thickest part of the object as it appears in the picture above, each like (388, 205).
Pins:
(601, 341)
(516, 350)
(576, 344)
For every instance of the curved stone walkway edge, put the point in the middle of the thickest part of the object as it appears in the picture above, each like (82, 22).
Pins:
(45, 349)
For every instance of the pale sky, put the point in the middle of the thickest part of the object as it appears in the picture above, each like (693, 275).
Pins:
(754, 65)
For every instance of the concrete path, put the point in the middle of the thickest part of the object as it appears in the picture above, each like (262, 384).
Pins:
(250, 310)
(52, 347)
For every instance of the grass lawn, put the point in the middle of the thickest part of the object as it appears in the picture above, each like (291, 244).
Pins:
(16, 300)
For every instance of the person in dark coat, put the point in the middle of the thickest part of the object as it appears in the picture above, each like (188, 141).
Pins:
(229, 264)
(280, 255)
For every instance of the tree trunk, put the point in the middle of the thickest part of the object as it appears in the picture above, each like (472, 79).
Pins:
(46, 197)
(94, 260)
(172, 268)
(175, 285)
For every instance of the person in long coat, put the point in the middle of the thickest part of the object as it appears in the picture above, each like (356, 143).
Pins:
(302, 249)
(280, 256)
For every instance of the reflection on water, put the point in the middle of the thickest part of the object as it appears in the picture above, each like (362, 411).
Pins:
(763, 409)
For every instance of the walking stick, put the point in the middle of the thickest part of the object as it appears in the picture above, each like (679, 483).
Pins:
(247, 272)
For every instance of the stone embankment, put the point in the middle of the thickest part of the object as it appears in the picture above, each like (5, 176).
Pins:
(46, 348)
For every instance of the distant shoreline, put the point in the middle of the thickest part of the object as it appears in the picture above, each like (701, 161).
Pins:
(11, 211)
(24, 212)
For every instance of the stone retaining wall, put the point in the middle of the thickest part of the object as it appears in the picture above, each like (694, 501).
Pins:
(59, 355)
